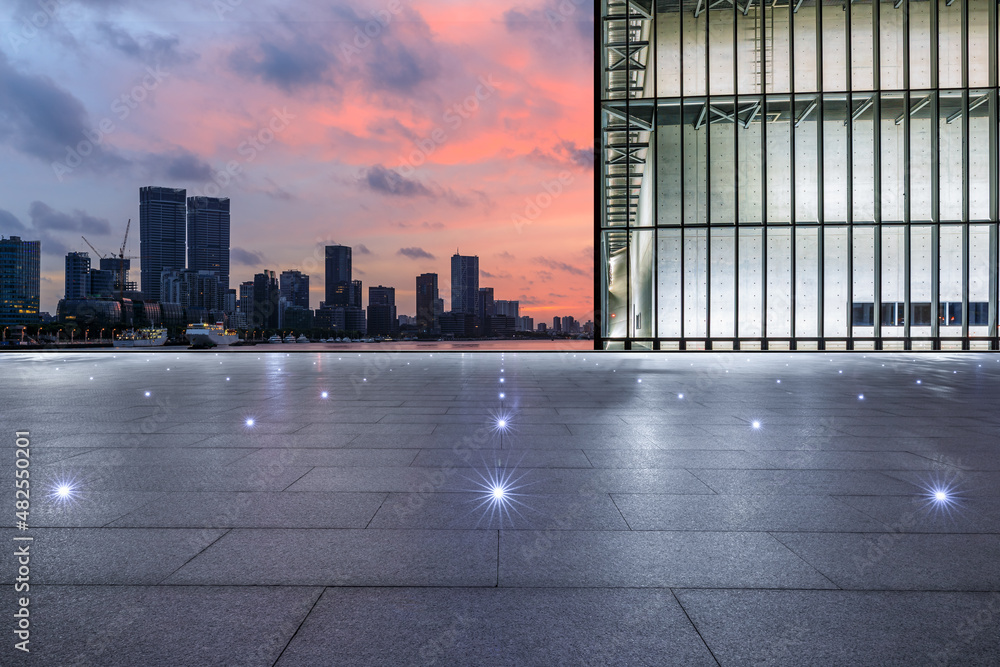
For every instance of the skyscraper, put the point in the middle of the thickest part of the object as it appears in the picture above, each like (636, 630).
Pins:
(382, 311)
(427, 292)
(265, 301)
(20, 281)
(356, 289)
(161, 235)
(77, 275)
(485, 306)
(508, 308)
(208, 236)
(338, 275)
(294, 287)
(797, 175)
(464, 284)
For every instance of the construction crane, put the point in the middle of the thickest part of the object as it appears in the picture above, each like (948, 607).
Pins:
(121, 263)
(96, 251)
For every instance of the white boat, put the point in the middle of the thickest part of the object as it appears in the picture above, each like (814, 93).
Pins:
(302, 339)
(274, 339)
(141, 338)
(202, 333)
(289, 338)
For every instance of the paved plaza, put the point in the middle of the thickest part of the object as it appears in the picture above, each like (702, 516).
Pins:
(579, 508)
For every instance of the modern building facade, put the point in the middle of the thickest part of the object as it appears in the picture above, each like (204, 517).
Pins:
(382, 311)
(464, 284)
(20, 281)
(77, 275)
(265, 301)
(191, 289)
(338, 275)
(294, 288)
(427, 294)
(162, 244)
(797, 174)
(508, 308)
(208, 236)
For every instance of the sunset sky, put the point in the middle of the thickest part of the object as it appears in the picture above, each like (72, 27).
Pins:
(406, 129)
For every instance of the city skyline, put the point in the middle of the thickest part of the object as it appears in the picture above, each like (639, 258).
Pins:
(429, 136)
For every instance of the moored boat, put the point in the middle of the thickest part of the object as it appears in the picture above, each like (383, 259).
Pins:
(202, 334)
(141, 338)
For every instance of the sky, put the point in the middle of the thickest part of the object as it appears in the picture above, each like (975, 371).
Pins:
(407, 129)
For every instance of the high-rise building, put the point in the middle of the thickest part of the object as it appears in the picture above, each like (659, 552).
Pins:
(20, 281)
(119, 268)
(208, 236)
(797, 175)
(162, 218)
(265, 301)
(464, 284)
(77, 275)
(382, 311)
(356, 293)
(427, 293)
(484, 306)
(101, 284)
(525, 323)
(556, 324)
(338, 275)
(508, 308)
(294, 287)
(191, 289)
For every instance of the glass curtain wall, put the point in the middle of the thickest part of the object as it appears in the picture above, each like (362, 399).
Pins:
(797, 174)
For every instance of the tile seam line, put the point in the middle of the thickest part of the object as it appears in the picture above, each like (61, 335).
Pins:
(200, 552)
(693, 626)
(311, 468)
(489, 587)
(374, 514)
(299, 627)
(797, 555)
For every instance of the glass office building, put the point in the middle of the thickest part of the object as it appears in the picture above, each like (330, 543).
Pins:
(797, 174)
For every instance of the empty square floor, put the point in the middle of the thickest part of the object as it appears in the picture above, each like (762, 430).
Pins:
(520, 508)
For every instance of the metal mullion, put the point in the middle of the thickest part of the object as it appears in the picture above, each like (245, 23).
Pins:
(850, 286)
(994, 172)
(936, 284)
(736, 183)
(793, 218)
(965, 124)
(936, 159)
(992, 318)
(600, 194)
(791, 291)
(764, 13)
(821, 184)
(708, 190)
(630, 317)
(907, 308)
(877, 152)
(850, 183)
(906, 158)
(654, 159)
(965, 285)
(877, 297)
